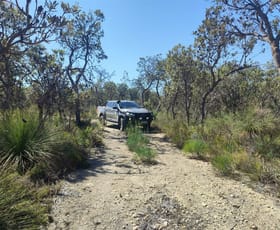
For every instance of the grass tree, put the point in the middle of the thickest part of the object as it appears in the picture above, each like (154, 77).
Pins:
(24, 142)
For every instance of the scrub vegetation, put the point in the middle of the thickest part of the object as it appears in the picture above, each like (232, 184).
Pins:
(138, 143)
(210, 98)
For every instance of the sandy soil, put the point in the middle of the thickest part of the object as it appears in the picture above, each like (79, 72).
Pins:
(176, 193)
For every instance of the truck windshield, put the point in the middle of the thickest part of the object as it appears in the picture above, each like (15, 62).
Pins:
(128, 104)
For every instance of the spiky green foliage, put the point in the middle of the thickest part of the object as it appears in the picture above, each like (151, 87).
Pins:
(223, 134)
(177, 130)
(263, 131)
(87, 137)
(197, 147)
(224, 163)
(271, 173)
(138, 143)
(19, 206)
(247, 142)
(24, 141)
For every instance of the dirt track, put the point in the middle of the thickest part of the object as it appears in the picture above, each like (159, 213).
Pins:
(176, 193)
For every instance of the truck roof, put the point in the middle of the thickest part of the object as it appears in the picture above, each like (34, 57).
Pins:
(119, 100)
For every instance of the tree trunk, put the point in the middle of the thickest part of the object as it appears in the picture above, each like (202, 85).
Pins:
(78, 111)
(204, 98)
(173, 105)
(143, 97)
(203, 108)
(187, 100)
(276, 54)
(77, 106)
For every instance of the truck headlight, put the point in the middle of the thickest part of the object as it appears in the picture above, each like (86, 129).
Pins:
(129, 114)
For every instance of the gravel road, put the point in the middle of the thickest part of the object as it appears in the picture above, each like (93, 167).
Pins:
(176, 193)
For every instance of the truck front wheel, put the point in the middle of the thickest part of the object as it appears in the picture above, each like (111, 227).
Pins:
(102, 119)
(122, 124)
(147, 127)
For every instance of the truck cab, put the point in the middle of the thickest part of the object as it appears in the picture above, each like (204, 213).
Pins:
(123, 112)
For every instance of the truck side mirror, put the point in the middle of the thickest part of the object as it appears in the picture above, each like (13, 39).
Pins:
(115, 107)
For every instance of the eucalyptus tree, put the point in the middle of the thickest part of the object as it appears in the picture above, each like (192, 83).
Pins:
(123, 91)
(219, 52)
(151, 74)
(270, 96)
(98, 95)
(81, 41)
(241, 90)
(23, 24)
(111, 90)
(182, 70)
(50, 87)
(255, 19)
(27, 23)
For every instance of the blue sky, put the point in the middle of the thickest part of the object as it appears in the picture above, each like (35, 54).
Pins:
(140, 28)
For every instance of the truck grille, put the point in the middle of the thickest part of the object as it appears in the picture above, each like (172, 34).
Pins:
(143, 116)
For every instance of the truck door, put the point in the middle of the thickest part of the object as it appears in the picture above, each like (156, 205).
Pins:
(108, 109)
(115, 112)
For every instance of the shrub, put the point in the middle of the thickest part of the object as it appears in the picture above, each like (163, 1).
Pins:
(87, 137)
(69, 157)
(24, 141)
(138, 143)
(46, 150)
(271, 172)
(263, 131)
(197, 147)
(223, 134)
(177, 130)
(19, 206)
(248, 163)
(224, 163)
(259, 122)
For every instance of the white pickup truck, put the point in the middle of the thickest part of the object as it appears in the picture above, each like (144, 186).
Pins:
(122, 112)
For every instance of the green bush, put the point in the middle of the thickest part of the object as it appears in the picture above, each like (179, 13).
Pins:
(259, 122)
(43, 148)
(247, 141)
(197, 147)
(263, 131)
(224, 163)
(223, 134)
(24, 141)
(271, 172)
(69, 157)
(176, 129)
(41, 153)
(87, 137)
(138, 143)
(19, 206)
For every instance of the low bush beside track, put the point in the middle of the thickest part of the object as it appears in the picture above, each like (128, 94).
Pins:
(34, 155)
(138, 143)
(245, 142)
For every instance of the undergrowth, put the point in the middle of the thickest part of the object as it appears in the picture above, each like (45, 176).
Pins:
(246, 142)
(21, 205)
(196, 147)
(138, 143)
(34, 155)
